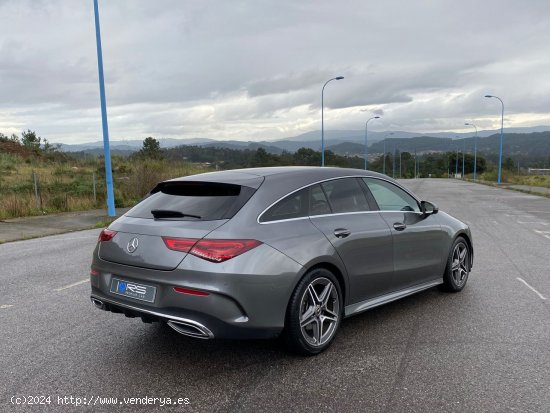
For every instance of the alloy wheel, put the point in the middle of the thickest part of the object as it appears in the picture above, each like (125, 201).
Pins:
(459, 268)
(319, 311)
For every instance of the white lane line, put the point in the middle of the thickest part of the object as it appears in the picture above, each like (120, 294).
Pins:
(543, 233)
(5, 306)
(72, 285)
(533, 222)
(542, 297)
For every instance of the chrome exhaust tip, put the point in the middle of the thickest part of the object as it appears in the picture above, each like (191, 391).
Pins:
(190, 328)
(98, 303)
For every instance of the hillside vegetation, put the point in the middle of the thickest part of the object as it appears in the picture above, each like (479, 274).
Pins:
(65, 181)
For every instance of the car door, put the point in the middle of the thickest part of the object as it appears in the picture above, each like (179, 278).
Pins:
(417, 239)
(363, 240)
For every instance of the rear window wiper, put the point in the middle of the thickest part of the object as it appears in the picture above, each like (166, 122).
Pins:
(166, 213)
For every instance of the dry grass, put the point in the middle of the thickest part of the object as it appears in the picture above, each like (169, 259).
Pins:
(532, 180)
(68, 186)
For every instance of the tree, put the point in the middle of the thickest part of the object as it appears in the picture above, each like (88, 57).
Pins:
(508, 164)
(306, 156)
(151, 148)
(30, 140)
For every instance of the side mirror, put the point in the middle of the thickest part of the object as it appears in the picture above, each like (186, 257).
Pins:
(428, 208)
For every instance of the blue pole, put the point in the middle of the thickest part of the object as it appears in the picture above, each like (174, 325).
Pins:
(108, 171)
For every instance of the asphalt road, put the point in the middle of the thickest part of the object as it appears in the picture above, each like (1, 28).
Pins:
(486, 349)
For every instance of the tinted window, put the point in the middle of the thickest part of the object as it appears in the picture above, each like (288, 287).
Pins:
(318, 204)
(208, 200)
(293, 206)
(390, 197)
(345, 195)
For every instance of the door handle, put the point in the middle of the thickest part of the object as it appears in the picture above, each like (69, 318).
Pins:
(341, 232)
(399, 226)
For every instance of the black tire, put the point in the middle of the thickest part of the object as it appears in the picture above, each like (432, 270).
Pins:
(456, 273)
(318, 329)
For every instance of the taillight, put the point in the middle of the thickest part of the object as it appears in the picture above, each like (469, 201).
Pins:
(106, 235)
(179, 244)
(219, 250)
(214, 250)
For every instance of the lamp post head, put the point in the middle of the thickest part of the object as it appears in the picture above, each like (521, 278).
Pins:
(468, 124)
(489, 96)
(339, 77)
(377, 117)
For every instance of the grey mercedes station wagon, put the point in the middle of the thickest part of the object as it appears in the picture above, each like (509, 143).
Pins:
(256, 253)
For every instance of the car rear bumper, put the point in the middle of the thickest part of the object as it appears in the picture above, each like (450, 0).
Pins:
(187, 323)
(245, 297)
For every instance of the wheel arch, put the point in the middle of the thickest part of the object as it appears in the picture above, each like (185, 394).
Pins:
(337, 273)
(327, 264)
(467, 237)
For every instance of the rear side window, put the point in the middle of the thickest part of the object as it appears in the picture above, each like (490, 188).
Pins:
(206, 200)
(293, 206)
(345, 195)
(318, 203)
(390, 197)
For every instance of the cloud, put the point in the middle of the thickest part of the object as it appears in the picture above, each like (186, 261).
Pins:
(252, 70)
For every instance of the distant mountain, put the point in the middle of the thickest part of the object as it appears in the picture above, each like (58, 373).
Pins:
(516, 145)
(243, 145)
(132, 144)
(342, 142)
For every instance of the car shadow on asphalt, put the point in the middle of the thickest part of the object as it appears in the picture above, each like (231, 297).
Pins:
(384, 324)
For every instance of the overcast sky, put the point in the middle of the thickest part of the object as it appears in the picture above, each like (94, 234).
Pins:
(254, 69)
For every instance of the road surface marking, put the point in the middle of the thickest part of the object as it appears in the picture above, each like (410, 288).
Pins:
(533, 222)
(543, 233)
(5, 306)
(72, 285)
(542, 297)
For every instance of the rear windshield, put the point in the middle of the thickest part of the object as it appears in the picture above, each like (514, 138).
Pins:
(205, 201)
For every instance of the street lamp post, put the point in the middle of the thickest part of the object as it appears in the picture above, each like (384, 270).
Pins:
(106, 148)
(323, 118)
(393, 162)
(400, 169)
(475, 148)
(415, 175)
(456, 162)
(384, 166)
(366, 134)
(501, 135)
(463, 154)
